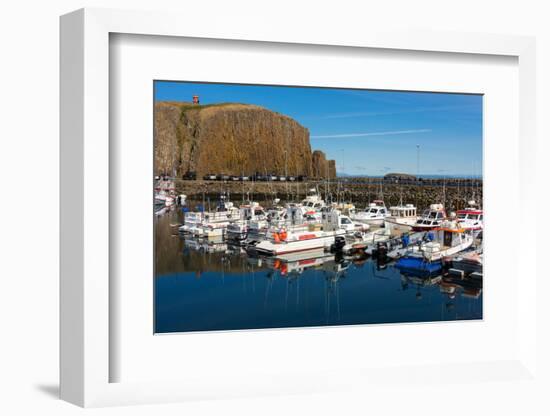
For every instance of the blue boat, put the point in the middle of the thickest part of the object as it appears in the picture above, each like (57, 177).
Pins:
(418, 266)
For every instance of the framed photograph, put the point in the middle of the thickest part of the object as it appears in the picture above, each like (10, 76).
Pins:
(285, 206)
(274, 214)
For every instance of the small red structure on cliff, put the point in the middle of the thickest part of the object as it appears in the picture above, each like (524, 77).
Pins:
(195, 99)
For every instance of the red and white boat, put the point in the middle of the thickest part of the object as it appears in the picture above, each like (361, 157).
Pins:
(284, 242)
(281, 241)
(471, 218)
(431, 219)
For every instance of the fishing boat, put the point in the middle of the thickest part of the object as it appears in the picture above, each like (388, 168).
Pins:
(374, 214)
(284, 240)
(366, 241)
(471, 218)
(427, 255)
(196, 222)
(313, 203)
(239, 229)
(394, 248)
(431, 218)
(401, 219)
(313, 200)
(343, 221)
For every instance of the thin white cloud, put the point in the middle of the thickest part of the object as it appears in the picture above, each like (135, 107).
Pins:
(368, 134)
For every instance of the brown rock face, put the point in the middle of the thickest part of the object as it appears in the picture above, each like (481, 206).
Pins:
(323, 168)
(233, 139)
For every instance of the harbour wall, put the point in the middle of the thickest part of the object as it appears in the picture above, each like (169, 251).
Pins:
(454, 194)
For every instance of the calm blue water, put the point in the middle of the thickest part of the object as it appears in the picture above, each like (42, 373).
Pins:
(218, 287)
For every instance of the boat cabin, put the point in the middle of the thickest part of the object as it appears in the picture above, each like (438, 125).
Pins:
(403, 211)
(376, 207)
(252, 211)
(470, 214)
(446, 237)
(313, 200)
(433, 215)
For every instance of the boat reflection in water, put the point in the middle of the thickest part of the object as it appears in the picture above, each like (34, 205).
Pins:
(208, 284)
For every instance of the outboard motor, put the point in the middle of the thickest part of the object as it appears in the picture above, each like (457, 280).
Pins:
(381, 250)
(339, 243)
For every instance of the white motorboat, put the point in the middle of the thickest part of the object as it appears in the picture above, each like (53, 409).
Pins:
(351, 227)
(313, 203)
(194, 221)
(275, 215)
(471, 218)
(440, 243)
(431, 218)
(367, 241)
(248, 213)
(284, 241)
(374, 214)
(401, 219)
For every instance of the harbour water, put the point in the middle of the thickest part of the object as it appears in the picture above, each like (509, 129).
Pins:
(203, 285)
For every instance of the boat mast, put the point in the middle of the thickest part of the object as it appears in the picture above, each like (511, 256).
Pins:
(417, 173)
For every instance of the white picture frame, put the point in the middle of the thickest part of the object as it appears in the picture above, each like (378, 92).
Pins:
(85, 217)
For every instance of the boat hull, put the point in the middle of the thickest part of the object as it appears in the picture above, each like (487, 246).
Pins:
(269, 248)
(418, 266)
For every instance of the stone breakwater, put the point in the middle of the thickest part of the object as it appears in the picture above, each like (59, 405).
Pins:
(454, 195)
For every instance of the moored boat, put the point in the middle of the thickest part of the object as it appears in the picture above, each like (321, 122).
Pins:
(471, 218)
(427, 255)
(431, 218)
(285, 240)
(374, 214)
(401, 219)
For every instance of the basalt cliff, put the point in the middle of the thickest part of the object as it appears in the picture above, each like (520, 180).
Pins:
(233, 139)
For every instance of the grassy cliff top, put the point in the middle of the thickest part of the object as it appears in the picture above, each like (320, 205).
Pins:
(186, 105)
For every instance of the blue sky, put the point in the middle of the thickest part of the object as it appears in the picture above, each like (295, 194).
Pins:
(367, 132)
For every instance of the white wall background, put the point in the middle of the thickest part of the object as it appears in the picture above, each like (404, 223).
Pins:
(29, 205)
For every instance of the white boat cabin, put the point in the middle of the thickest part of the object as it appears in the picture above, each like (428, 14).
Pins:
(252, 211)
(313, 200)
(432, 217)
(403, 211)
